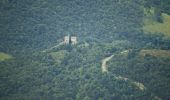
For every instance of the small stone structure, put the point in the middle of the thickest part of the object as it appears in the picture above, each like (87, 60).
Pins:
(66, 39)
(73, 40)
(70, 40)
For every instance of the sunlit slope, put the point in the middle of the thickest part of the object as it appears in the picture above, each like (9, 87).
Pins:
(155, 53)
(156, 27)
(4, 56)
(58, 56)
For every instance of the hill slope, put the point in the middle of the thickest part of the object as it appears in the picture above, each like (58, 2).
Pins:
(73, 72)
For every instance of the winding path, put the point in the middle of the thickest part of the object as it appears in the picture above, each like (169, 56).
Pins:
(139, 85)
(105, 70)
(104, 63)
(105, 60)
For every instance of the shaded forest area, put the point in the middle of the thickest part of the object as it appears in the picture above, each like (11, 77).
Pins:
(103, 27)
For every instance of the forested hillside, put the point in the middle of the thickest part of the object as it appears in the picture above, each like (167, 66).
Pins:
(120, 55)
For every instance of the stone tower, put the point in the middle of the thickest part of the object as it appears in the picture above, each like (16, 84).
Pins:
(70, 39)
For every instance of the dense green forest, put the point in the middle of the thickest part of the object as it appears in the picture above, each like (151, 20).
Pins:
(114, 59)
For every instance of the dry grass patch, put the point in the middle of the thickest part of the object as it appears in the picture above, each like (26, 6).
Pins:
(4, 56)
(155, 53)
(156, 27)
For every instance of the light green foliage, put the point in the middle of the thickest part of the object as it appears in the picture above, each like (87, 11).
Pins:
(58, 56)
(155, 53)
(152, 26)
(4, 56)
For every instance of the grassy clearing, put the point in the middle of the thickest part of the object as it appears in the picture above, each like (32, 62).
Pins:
(155, 53)
(4, 56)
(58, 56)
(156, 27)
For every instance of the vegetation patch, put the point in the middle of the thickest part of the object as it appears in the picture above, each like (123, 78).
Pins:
(4, 56)
(155, 53)
(152, 26)
(58, 56)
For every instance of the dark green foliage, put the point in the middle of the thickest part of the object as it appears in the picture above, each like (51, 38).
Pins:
(161, 6)
(151, 71)
(103, 28)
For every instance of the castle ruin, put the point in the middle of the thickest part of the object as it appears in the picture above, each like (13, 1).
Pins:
(70, 40)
